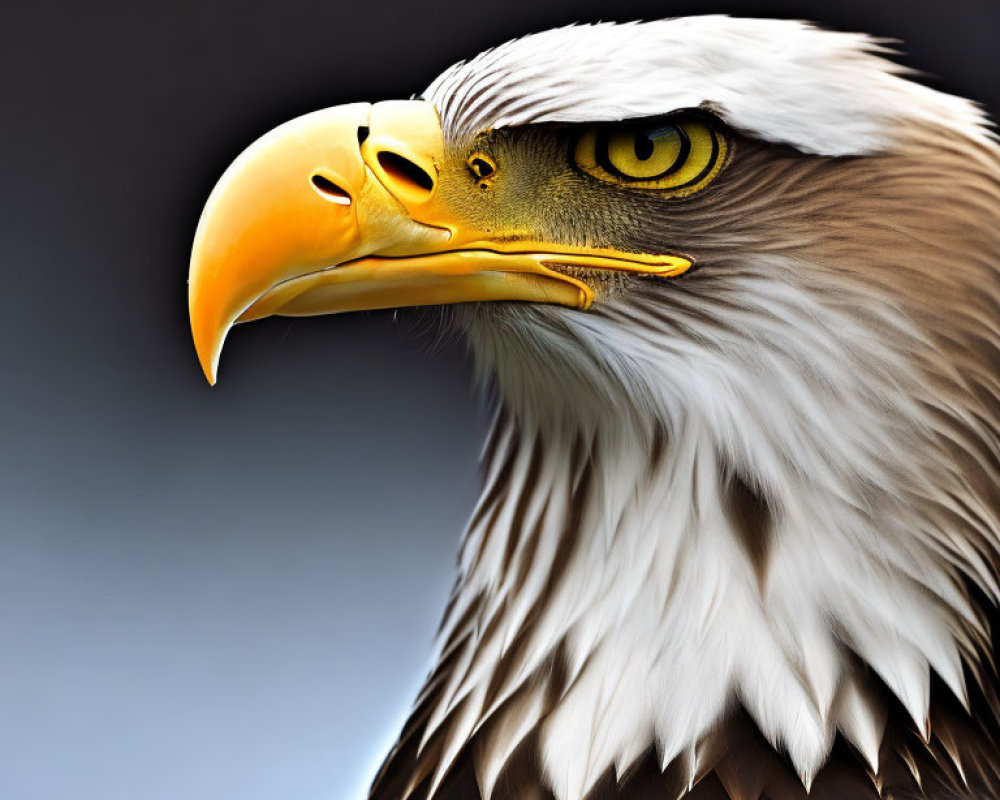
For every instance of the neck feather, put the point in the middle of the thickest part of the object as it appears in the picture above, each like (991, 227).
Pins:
(647, 555)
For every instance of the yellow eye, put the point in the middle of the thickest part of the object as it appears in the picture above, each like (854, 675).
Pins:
(681, 155)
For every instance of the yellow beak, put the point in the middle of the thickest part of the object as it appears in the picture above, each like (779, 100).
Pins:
(339, 211)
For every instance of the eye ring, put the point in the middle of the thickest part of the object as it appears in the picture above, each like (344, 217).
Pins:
(677, 156)
(482, 167)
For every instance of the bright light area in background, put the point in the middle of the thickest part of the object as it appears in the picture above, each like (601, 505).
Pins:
(239, 601)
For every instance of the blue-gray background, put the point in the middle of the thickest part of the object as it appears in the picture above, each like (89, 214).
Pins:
(230, 593)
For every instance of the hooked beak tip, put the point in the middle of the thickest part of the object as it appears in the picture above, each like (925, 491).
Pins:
(210, 370)
(209, 349)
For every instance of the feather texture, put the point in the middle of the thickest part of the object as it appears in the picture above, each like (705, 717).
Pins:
(783, 81)
(739, 532)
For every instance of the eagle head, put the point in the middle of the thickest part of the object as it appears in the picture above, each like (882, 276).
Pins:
(733, 286)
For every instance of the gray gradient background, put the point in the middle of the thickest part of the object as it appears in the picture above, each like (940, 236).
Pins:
(230, 593)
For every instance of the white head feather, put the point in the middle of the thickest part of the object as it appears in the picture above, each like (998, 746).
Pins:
(782, 81)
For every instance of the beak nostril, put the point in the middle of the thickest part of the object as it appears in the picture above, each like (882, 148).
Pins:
(330, 191)
(406, 172)
(363, 132)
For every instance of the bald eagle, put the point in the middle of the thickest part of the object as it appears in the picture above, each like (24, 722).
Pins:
(734, 284)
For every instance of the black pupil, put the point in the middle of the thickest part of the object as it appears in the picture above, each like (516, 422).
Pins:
(482, 167)
(643, 146)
